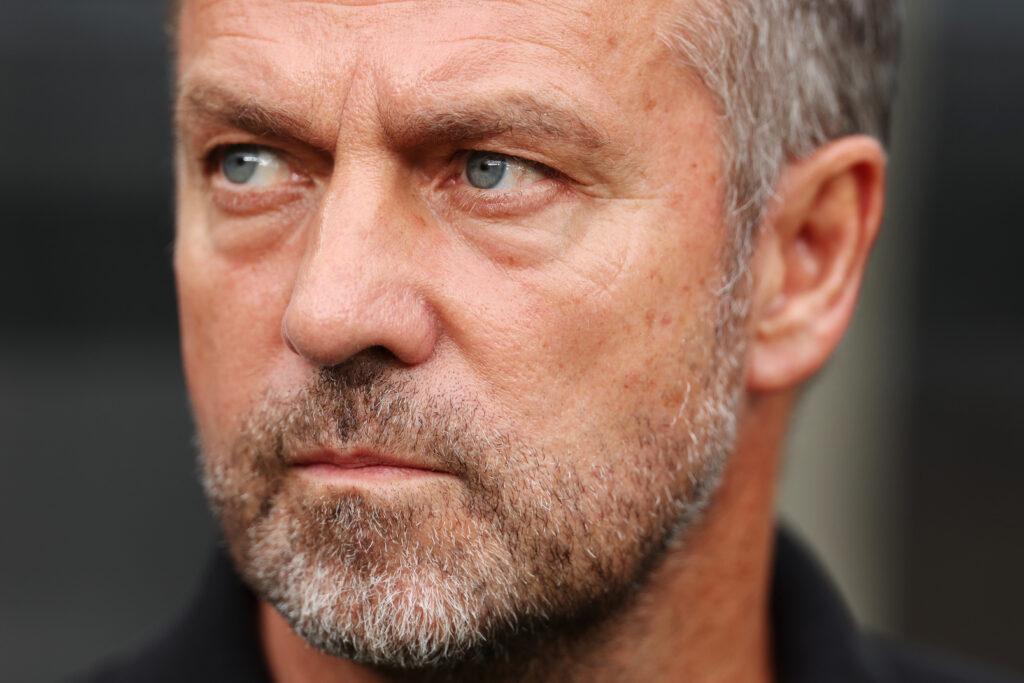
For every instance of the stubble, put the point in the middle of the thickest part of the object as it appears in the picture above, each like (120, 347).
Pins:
(517, 546)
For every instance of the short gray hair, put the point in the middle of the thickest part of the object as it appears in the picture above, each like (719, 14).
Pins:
(788, 77)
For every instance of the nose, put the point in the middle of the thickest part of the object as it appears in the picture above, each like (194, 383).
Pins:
(355, 288)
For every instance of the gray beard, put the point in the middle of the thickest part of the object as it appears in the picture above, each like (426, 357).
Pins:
(527, 549)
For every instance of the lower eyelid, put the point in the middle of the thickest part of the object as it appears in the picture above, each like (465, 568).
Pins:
(243, 200)
(491, 203)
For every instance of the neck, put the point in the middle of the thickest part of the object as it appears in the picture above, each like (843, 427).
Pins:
(702, 618)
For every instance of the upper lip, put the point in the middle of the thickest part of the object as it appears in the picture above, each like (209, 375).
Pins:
(355, 458)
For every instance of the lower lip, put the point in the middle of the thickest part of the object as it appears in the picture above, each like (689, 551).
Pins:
(369, 473)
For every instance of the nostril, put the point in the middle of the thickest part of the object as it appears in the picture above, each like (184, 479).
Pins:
(373, 357)
(382, 354)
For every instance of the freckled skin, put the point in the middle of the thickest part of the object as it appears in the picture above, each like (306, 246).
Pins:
(489, 315)
(582, 317)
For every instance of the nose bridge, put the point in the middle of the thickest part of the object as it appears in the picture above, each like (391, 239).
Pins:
(354, 209)
(355, 287)
(345, 238)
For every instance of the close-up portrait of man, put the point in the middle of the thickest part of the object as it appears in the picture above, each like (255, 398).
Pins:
(494, 317)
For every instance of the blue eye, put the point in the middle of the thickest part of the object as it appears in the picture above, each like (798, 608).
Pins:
(485, 170)
(252, 165)
(240, 164)
(493, 171)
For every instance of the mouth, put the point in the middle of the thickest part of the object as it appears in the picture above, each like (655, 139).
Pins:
(360, 465)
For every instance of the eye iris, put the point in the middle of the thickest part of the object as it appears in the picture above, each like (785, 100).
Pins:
(240, 165)
(485, 171)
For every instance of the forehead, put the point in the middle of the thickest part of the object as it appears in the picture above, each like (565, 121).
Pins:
(322, 53)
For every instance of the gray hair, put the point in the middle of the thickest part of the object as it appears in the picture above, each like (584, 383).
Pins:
(788, 77)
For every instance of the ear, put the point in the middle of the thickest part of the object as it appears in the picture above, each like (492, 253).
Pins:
(810, 258)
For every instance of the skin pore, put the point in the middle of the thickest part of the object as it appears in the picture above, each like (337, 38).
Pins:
(566, 455)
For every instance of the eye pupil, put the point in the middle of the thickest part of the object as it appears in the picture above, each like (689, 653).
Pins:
(239, 165)
(485, 171)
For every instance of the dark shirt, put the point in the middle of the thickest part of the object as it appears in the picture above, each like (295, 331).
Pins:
(815, 640)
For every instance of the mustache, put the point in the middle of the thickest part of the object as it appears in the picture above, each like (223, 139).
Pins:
(368, 401)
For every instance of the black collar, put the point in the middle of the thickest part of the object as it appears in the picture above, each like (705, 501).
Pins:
(814, 637)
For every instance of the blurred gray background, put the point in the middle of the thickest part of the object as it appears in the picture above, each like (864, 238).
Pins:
(904, 473)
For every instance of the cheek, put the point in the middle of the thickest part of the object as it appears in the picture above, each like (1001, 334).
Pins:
(230, 317)
(567, 354)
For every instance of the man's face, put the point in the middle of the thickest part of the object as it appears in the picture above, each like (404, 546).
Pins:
(448, 280)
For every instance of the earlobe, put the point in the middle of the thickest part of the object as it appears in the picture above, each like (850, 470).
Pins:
(810, 259)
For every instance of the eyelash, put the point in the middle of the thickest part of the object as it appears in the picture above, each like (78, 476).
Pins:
(212, 159)
(250, 201)
(465, 198)
(496, 204)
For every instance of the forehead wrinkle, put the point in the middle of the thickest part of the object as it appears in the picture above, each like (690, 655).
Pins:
(569, 53)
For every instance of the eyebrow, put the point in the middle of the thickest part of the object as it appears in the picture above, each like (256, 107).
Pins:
(516, 115)
(212, 104)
